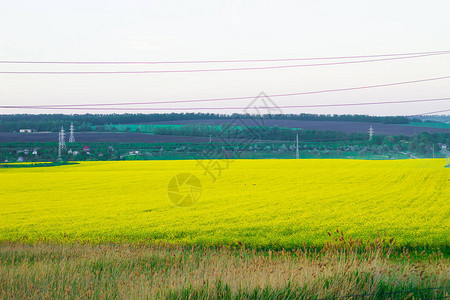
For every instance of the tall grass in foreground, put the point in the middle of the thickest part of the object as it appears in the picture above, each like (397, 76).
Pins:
(146, 271)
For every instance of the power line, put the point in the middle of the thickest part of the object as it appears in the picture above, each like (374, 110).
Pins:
(234, 108)
(219, 61)
(226, 99)
(430, 113)
(212, 70)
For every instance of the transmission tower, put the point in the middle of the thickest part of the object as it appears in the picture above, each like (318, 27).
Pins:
(71, 136)
(62, 143)
(296, 150)
(371, 132)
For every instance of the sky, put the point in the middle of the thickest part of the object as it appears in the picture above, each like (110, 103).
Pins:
(223, 30)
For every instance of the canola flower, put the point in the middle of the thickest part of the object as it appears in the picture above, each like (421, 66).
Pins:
(261, 203)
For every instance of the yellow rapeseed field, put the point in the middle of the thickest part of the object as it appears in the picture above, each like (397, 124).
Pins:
(284, 203)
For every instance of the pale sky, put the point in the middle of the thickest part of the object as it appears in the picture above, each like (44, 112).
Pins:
(222, 30)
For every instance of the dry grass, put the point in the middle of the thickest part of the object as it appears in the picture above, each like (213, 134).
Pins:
(146, 271)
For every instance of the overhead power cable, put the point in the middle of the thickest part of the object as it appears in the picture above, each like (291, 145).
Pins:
(214, 70)
(217, 61)
(430, 113)
(229, 108)
(226, 99)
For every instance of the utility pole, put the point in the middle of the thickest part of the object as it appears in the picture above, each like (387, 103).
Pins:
(210, 139)
(71, 137)
(433, 149)
(371, 132)
(296, 150)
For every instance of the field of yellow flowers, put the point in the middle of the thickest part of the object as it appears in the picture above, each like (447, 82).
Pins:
(259, 203)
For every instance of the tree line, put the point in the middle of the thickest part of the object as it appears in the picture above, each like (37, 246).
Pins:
(418, 143)
(423, 144)
(233, 132)
(85, 122)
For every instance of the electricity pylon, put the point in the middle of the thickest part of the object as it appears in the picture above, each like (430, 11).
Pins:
(371, 132)
(71, 137)
(61, 142)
